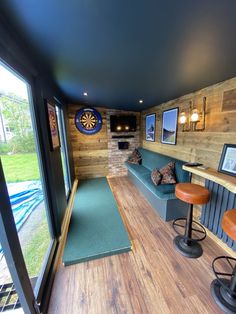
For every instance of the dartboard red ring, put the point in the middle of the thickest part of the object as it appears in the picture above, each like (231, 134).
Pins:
(88, 121)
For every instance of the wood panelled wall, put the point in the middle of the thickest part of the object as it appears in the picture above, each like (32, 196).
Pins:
(205, 146)
(92, 153)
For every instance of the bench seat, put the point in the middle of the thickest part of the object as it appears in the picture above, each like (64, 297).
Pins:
(161, 197)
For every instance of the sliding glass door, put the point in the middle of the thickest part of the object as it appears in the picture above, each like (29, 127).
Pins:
(21, 164)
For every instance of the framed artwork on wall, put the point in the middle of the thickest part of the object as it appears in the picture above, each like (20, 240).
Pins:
(150, 127)
(53, 126)
(169, 126)
(228, 160)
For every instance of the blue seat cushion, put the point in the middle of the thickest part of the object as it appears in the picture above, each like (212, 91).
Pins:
(162, 191)
(152, 160)
(137, 170)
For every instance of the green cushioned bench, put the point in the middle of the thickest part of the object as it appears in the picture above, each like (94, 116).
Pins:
(161, 197)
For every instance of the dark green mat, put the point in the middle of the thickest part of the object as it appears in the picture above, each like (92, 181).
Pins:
(96, 228)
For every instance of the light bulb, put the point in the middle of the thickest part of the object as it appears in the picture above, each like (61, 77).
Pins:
(195, 115)
(182, 118)
(118, 128)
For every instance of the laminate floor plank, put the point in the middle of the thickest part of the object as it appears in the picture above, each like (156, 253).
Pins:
(153, 278)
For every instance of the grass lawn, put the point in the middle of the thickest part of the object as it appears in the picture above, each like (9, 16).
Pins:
(35, 250)
(34, 235)
(20, 167)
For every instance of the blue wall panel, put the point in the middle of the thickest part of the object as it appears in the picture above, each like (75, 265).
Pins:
(212, 212)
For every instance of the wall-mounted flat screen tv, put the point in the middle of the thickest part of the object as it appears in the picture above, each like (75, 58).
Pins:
(123, 123)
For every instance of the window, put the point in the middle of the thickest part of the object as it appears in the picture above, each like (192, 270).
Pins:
(63, 149)
(27, 225)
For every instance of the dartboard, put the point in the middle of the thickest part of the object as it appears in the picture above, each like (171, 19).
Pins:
(88, 121)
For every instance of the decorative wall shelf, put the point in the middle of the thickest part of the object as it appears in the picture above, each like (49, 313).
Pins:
(213, 175)
(122, 136)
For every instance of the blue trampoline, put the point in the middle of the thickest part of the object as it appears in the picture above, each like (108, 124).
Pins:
(24, 198)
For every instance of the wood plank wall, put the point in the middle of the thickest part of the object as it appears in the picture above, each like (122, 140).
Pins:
(92, 153)
(205, 146)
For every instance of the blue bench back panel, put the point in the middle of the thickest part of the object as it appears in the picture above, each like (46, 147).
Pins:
(152, 160)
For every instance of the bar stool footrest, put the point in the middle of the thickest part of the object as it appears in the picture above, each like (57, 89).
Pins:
(220, 277)
(177, 223)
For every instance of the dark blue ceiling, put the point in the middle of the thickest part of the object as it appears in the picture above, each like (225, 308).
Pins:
(123, 51)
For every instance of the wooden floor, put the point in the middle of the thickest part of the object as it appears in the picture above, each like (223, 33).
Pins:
(153, 278)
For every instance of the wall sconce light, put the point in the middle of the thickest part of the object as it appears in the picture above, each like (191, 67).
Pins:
(197, 116)
(194, 115)
(193, 118)
(184, 119)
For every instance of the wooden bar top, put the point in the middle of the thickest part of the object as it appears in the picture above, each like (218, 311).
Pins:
(225, 180)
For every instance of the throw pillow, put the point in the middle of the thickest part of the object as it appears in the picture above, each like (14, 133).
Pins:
(156, 176)
(168, 173)
(135, 157)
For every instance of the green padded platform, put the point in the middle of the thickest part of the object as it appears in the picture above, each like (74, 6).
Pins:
(96, 228)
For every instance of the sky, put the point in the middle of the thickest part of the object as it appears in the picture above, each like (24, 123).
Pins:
(170, 120)
(10, 83)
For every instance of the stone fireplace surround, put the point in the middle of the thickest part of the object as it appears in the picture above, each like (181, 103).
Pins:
(116, 156)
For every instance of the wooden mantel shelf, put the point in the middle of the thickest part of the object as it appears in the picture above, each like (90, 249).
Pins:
(213, 175)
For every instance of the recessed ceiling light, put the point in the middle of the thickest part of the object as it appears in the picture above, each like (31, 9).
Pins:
(140, 101)
(85, 94)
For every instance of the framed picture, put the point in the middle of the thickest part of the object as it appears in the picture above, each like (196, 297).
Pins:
(228, 160)
(53, 126)
(169, 126)
(150, 127)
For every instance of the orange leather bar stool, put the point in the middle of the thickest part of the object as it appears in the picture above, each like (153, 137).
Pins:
(223, 289)
(186, 244)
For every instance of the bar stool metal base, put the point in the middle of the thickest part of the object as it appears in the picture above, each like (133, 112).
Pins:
(191, 249)
(221, 296)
